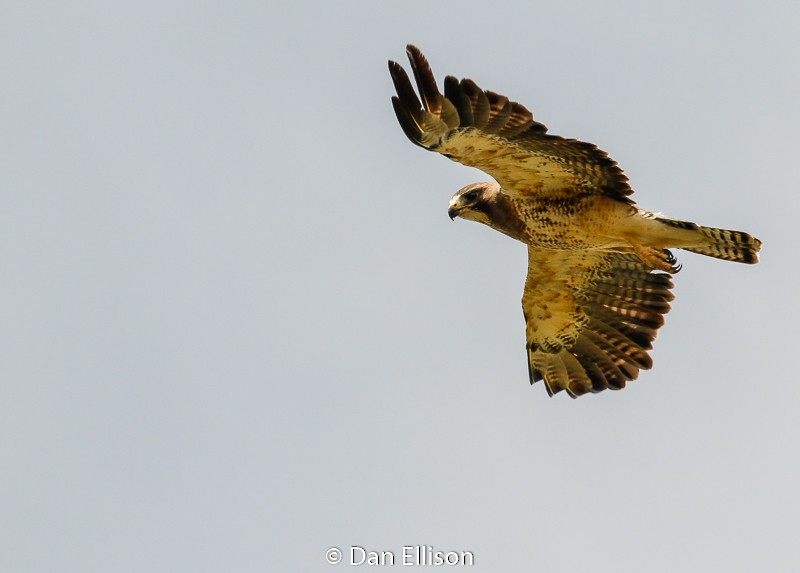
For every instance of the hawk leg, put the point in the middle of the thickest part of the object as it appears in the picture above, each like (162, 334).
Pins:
(658, 259)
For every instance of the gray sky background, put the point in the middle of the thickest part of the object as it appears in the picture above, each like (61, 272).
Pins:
(238, 327)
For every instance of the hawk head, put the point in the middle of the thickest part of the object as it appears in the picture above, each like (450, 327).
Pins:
(486, 203)
(474, 202)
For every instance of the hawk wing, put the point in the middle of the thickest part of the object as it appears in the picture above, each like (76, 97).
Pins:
(591, 317)
(486, 130)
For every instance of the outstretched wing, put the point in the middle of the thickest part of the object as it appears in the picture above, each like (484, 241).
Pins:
(591, 318)
(486, 130)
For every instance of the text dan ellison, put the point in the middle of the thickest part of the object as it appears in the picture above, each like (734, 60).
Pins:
(412, 555)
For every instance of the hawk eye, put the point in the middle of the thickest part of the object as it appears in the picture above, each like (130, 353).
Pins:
(471, 196)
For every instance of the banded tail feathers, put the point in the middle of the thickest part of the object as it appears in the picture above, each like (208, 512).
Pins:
(724, 244)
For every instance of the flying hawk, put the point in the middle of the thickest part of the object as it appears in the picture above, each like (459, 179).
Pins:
(594, 297)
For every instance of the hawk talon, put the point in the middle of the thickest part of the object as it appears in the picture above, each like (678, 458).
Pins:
(671, 259)
(656, 259)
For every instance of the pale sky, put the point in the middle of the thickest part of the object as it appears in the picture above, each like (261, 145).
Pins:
(239, 328)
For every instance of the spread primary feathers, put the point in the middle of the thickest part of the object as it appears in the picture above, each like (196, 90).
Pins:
(599, 272)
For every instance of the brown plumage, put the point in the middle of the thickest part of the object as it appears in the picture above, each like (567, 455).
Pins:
(593, 301)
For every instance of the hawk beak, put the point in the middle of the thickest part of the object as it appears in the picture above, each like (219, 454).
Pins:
(453, 212)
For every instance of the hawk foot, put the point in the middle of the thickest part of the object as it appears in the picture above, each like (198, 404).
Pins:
(658, 259)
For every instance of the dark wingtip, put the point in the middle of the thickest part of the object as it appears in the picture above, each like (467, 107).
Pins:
(410, 127)
(533, 374)
(456, 95)
(426, 82)
(403, 87)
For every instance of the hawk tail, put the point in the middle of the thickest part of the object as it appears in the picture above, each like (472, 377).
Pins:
(735, 246)
(724, 244)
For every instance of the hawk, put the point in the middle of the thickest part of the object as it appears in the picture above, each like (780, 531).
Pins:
(599, 268)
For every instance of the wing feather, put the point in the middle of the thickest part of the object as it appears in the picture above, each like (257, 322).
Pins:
(426, 82)
(499, 112)
(456, 94)
(591, 317)
(481, 108)
(518, 121)
(484, 129)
